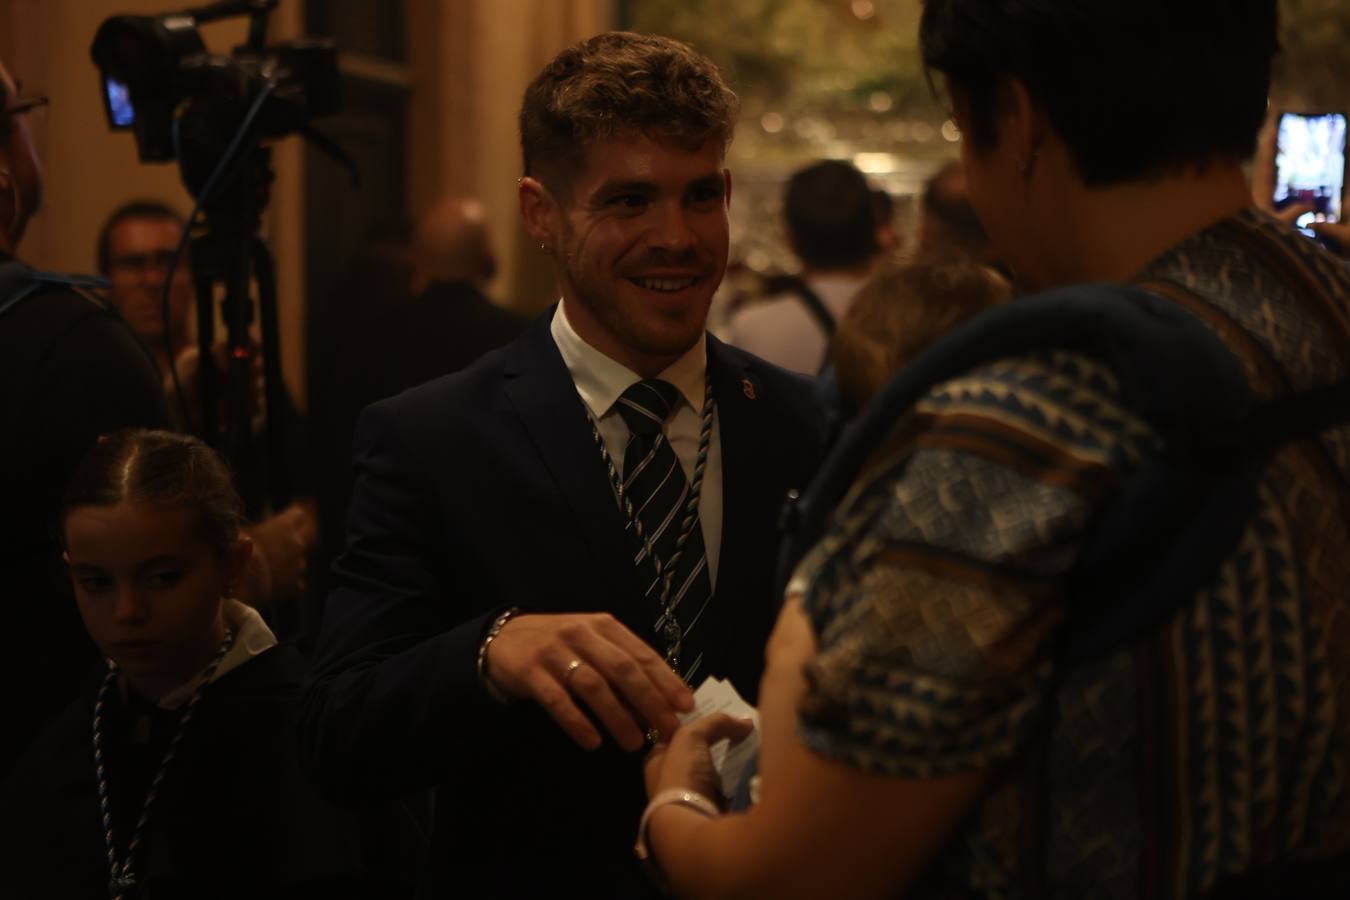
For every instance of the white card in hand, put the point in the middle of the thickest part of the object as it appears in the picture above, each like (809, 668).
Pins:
(717, 696)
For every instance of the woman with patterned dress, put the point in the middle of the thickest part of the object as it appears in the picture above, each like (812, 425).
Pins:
(920, 735)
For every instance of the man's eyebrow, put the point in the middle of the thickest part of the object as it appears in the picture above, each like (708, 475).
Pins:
(629, 186)
(713, 179)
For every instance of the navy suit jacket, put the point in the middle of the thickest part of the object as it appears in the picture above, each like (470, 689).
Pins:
(484, 490)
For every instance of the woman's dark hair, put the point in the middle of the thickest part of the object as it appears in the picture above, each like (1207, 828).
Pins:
(163, 468)
(1136, 88)
(899, 311)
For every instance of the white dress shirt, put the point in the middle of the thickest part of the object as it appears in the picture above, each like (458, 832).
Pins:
(782, 330)
(600, 381)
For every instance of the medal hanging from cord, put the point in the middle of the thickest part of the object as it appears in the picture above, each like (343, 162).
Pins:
(667, 626)
(122, 882)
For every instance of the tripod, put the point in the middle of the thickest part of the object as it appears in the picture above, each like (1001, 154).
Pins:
(229, 257)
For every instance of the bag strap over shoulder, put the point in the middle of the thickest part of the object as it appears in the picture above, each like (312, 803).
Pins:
(814, 305)
(1091, 318)
(18, 282)
(1177, 515)
(819, 312)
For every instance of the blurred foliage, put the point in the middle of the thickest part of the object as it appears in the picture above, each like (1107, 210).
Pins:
(831, 56)
(1313, 71)
(804, 56)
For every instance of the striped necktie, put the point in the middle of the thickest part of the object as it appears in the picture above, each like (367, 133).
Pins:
(656, 484)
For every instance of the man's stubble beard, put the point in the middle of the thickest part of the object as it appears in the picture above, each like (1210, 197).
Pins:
(600, 298)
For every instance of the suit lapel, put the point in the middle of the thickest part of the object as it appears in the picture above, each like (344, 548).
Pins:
(539, 387)
(735, 387)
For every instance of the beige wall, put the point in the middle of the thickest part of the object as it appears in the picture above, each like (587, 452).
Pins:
(471, 61)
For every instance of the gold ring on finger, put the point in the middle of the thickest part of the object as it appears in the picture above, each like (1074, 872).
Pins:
(571, 670)
(653, 735)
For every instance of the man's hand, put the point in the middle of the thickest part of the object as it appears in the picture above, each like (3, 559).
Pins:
(626, 685)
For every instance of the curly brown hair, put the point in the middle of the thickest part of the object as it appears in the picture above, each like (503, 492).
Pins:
(625, 84)
(902, 309)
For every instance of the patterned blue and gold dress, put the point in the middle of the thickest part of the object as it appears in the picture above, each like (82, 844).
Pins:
(1218, 744)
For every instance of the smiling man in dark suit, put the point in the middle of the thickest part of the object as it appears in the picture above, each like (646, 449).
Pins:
(546, 548)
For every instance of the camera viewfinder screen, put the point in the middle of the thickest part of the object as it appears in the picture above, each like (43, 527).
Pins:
(120, 111)
(1310, 166)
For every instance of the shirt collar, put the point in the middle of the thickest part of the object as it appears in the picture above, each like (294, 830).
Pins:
(600, 380)
(251, 638)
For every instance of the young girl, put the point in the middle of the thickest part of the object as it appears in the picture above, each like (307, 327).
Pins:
(177, 776)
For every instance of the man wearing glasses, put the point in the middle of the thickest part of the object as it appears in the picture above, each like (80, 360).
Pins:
(70, 370)
(135, 246)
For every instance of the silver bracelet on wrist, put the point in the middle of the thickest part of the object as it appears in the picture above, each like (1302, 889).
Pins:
(670, 797)
(493, 630)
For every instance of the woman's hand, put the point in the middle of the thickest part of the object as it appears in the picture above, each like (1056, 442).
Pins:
(685, 761)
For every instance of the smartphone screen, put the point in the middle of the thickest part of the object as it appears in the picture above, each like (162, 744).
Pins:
(1310, 166)
(121, 113)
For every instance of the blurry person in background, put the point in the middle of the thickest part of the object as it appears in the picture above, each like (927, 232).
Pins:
(889, 242)
(832, 229)
(70, 369)
(948, 225)
(451, 245)
(900, 311)
(923, 734)
(450, 321)
(395, 330)
(135, 246)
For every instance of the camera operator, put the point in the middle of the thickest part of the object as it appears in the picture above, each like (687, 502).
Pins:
(135, 246)
(70, 370)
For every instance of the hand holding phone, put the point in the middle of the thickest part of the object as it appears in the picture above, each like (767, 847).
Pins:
(1310, 167)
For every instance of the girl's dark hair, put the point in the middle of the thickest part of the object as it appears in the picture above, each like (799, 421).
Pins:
(163, 468)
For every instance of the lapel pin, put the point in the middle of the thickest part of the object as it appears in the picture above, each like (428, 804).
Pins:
(747, 388)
